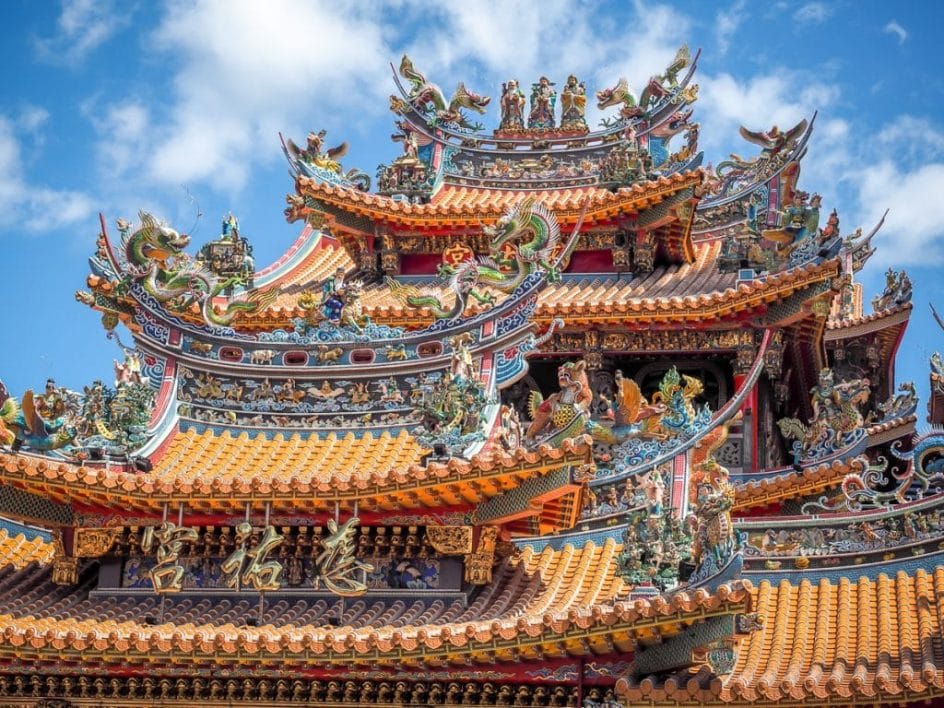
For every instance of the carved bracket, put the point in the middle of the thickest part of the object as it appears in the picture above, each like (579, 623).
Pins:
(450, 540)
(94, 543)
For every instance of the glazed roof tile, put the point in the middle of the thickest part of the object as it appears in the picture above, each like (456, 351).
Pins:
(537, 597)
(696, 289)
(385, 471)
(839, 323)
(18, 551)
(853, 641)
(856, 639)
(456, 203)
(792, 483)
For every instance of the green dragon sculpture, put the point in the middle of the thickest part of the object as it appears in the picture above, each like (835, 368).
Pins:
(461, 280)
(157, 261)
(513, 258)
(426, 95)
(524, 240)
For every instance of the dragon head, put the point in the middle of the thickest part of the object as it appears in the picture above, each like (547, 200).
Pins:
(296, 209)
(468, 99)
(155, 240)
(509, 224)
(613, 96)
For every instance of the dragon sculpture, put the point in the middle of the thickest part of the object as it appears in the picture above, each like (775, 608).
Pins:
(715, 541)
(426, 96)
(836, 418)
(677, 393)
(620, 95)
(461, 281)
(659, 86)
(524, 240)
(513, 258)
(156, 260)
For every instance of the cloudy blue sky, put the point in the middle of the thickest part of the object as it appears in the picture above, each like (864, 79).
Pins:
(176, 106)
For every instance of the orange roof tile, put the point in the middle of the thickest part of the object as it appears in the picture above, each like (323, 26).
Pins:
(792, 484)
(862, 641)
(226, 471)
(865, 639)
(550, 597)
(19, 552)
(452, 203)
(676, 292)
(845, 327)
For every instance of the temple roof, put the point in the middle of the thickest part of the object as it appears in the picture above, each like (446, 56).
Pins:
(821, 643)
(464, 206)
(791, 484)
(19, 551)
(539, 604)
(224, 471)
(670, 293)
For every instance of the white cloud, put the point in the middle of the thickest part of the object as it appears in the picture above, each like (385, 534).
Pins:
(896, 29)
(781, 98)
(727, 23)
(243, 71)
(246, 70)
(83, 25)
(812, 13)
(31, 118)
(913, 138)
(32, 207)
(914, 231)
(597, 49)
(124, 129)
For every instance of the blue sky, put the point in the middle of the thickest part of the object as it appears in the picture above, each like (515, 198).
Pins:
(176, 106)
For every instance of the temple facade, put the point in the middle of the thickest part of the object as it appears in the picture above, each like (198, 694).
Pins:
(544, 415)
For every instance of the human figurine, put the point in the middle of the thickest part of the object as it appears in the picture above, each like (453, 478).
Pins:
(512, 106)
(574, 104)
(511, 430)
(543, 98)
(332, 301)
(654, 487)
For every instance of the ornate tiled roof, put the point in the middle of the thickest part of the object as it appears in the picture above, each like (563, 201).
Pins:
(552, 599)
(792, 484)
(884, 318)
(854, 640)
(673, 293)
(455, 205)
(225, 471)
(862, 641)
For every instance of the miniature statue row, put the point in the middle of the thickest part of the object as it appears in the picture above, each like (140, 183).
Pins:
(543, 101)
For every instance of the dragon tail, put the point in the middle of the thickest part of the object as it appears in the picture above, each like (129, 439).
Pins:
(256, 300)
